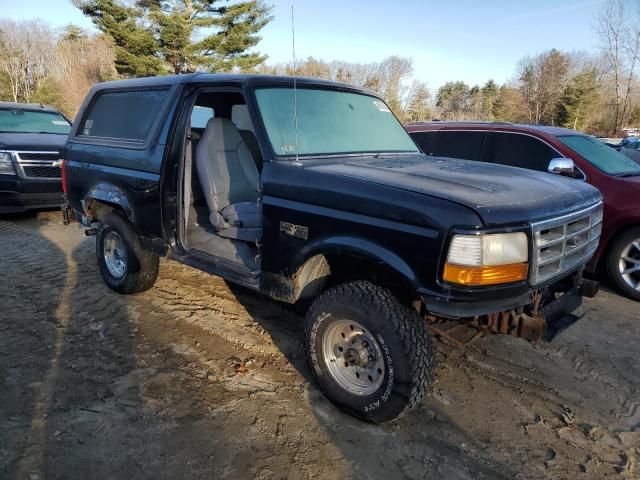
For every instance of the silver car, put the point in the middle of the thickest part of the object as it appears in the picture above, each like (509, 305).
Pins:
(631, 148)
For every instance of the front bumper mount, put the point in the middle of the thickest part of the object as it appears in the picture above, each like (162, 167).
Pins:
(548, 313)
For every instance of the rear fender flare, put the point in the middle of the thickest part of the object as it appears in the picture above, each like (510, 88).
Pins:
(109, 194)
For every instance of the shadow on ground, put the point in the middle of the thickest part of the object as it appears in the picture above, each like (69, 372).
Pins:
(199, 379)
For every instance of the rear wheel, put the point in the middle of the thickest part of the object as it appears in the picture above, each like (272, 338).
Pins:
(369, 354)
(623, 263)
(124, 265)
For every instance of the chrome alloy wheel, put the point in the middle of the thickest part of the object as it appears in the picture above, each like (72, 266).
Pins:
(353, 357)
(115, 254)
(629, 264)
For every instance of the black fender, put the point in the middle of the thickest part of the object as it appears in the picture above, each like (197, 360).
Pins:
(311, 267)
(109, 194)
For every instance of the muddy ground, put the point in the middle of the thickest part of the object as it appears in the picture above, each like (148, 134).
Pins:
(199, 379)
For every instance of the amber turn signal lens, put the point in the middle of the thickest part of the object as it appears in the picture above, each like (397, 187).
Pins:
(489, 275)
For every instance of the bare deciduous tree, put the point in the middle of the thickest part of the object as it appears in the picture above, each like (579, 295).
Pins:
(542, 81)
(80, 63)
(619, 34)
(25, 55)
(387, 78)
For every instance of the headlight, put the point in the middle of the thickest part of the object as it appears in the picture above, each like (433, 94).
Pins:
(487, 259)
(6, 164)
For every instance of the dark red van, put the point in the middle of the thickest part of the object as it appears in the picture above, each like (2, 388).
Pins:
(564, 152)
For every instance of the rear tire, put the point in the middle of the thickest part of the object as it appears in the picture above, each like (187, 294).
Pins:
(370, 355)
(624, 256)
(124, 265)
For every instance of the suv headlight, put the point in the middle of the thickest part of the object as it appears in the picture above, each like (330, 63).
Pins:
(487, 259)
(6, 164)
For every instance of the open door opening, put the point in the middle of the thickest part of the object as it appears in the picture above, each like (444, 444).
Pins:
(222, 200)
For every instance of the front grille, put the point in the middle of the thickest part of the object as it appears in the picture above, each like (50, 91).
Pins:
(564, 243)
(42, 172)
(40, 165)
(39, 155)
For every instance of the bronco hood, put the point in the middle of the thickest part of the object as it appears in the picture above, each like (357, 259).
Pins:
(499, 194)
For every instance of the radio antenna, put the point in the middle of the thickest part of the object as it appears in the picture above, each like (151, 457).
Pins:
(295, 90)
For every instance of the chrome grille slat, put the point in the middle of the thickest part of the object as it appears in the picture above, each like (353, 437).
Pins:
(564, 243)
(38, 165)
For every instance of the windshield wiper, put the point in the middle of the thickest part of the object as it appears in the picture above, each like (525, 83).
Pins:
(628, 174)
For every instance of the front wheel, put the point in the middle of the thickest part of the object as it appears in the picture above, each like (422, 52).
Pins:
(124, 265)
(623, 263)
(370, 355)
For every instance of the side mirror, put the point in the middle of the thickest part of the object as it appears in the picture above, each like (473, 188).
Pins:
(562, 166)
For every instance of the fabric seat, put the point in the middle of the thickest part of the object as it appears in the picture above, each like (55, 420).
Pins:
(230, 181)
(242, 120)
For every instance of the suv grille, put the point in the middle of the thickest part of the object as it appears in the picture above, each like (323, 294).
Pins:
(40, 165)
(42, 172)
(39, 156)
(564, 243)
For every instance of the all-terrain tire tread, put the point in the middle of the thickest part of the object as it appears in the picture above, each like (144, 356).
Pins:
(413, 331)
(148, 263)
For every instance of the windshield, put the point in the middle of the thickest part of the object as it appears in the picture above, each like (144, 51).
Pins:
(330, 122)
(15, 120)
(600, 155)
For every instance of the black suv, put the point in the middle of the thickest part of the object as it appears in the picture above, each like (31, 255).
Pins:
(313, 192)
(31, 137)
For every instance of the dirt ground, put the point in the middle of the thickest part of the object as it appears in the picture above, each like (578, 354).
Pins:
(199, 379)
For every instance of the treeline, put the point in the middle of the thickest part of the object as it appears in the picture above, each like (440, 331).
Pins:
(38, 65)
(552, 88)
(137, 38)
(391, 79)
(597, 93)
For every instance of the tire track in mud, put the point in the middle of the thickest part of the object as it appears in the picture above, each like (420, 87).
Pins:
(39, 282)
(586, 369)
(187, 309)
(191, 329)
(255, 324)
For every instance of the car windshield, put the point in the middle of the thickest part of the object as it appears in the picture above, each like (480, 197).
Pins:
(329, 122)
(15, 120)
(600, 155)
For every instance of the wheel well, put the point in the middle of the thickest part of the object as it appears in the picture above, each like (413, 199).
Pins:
(327, 270)
(97, 209)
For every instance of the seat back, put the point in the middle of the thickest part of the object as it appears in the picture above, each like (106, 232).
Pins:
(242, 120)
(225, 167)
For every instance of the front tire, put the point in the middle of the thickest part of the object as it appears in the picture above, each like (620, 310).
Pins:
(370, 355)
(124, 265)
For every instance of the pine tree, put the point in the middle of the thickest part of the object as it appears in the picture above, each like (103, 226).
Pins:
(154, 37)
(452, 98)
(509, 105)
(73, 33)
(489, 94)
(579, 101)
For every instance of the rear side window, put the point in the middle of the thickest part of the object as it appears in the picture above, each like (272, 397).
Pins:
(424, 140)
(523, 151)
(465, 145)
(125, 115)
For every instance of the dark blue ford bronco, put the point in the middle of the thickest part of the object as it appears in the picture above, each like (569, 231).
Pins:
(312, 192)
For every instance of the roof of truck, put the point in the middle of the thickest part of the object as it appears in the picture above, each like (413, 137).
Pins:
(249, 79)
(27, 106)
(480, 125)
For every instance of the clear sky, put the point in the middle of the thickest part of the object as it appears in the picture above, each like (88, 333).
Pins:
(467, 40)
